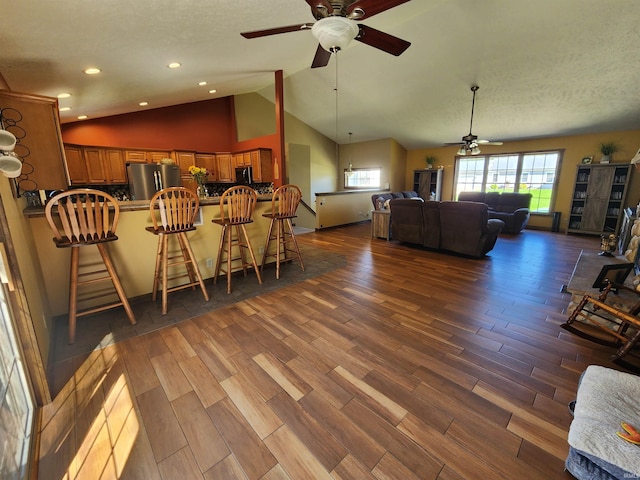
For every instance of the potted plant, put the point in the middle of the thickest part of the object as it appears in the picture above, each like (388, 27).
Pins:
(608, 149)
(430, 161)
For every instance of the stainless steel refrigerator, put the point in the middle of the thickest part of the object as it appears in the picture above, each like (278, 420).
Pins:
(145, 179)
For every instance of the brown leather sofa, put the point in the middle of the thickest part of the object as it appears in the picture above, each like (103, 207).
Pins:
(459, 227)
(379, 199)
(511, 208)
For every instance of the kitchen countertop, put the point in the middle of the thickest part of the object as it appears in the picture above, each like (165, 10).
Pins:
(136, 205)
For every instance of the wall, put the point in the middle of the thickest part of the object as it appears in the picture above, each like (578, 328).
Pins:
(575, 148)
(200, 126)
(387, 154)
(344, 208)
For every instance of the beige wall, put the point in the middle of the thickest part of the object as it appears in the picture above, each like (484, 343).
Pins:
(575, 148)
(387, 154)
(343, 209)
(32, 277)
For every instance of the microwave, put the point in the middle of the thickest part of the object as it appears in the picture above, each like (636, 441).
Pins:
(244, 175)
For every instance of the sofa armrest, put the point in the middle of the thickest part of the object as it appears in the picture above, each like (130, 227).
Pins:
(494, 225)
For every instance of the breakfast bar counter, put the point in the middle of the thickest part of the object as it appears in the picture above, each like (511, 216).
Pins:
(134, 253)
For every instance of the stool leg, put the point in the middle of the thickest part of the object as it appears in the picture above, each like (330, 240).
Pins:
(192, 261)
(156, 275)
(106, 258)
(279, 245)
(295, 242)
(73, 293)
(219, 257)
(165, 270)
(253, 257)
(267, 244)
(229, 241)
(241, 249)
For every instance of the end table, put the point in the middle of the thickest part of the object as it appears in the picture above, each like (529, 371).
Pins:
(381, 224)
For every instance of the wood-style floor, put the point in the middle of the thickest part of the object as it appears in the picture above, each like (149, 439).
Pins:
(405, 364)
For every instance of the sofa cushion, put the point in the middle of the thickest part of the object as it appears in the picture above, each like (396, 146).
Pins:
(410, 194)
(510, 202)
(471, 197)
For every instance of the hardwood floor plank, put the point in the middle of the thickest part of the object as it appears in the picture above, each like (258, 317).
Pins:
(227, 469)
(247, 400)
(140, 371)
(351, 469)
(171, 377)
(291, 383)
(215, 360)
(179, 346)
(252, 455)
(202, 380)
(205, 443)
(180, 465)
(161, 424)
(294, 457)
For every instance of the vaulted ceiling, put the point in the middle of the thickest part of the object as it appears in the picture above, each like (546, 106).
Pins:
(544, 67)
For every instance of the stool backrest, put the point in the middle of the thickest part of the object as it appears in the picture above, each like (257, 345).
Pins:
(240, 201)
(177, 208)
(84, 216)
(285, 200)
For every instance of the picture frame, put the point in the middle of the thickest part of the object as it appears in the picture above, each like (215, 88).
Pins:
(615, 274)
(587, 160)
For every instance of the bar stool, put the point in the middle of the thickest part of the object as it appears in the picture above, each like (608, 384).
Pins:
(87, 217)
(177, 207)
(284, 204)
(240, 202)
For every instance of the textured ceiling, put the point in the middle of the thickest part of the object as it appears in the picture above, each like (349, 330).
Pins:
(544, 67)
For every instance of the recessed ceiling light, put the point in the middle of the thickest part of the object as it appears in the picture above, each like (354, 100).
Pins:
(173, 65)
(212, 91)
(82, 117)
(65, 109)
(92, 71)
(143, 104)
(202, 83)
(64, 95)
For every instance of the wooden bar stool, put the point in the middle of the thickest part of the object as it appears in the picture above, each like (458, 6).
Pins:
(87, 217)
(240, 202)
(284, 204)
(177, 208)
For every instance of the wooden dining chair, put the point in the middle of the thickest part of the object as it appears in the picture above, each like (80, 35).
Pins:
(236, 210)
(284, 203)
(80, 218)
(173, 211)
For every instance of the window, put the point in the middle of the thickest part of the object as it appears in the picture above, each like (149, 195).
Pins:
(534, 173)
(362, 178)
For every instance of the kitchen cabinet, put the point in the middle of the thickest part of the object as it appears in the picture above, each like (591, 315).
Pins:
(262, 165)
(242, 159)
(95, 166)
(115, 165)
(76, 165)
(145, 156)
(208, 161)
(224, 163)
(184, 160)
(598, 198)
(428, 183)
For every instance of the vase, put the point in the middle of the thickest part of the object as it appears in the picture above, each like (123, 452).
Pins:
(202, 191)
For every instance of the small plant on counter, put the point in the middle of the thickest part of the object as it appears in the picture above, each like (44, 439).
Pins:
(199, 174)
(430, 161)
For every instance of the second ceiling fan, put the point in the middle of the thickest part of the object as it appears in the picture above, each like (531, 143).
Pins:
(470, 143)
(336, 26)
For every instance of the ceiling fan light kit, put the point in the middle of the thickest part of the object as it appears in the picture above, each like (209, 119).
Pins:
(470, 142)
(336, 27)
(334, 33)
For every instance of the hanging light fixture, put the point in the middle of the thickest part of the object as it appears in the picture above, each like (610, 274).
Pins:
(335, 33)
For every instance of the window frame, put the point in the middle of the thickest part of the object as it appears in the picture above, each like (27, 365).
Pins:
(361, 169)
(521, 155)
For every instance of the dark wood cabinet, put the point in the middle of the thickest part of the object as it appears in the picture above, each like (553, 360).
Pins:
(262, 165)
(76, 166)
(428, 183)
(598, 198)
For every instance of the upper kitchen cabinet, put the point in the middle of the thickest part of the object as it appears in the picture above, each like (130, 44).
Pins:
(208, 161)
(262, 166)
(34, 121)
(105, 165)
(242, 159)
(76, 165)
(184, 160)
(145, 156)
(224, 163)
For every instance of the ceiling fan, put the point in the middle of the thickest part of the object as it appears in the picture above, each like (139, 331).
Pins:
(336, 26)
(470, 143)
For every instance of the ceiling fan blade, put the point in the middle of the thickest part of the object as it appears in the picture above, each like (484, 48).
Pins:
(453, 143)
(488, 142)
(325, 8)
(382, 41)
(321, 59)
(275, 31)
(372, 7)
